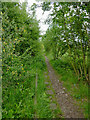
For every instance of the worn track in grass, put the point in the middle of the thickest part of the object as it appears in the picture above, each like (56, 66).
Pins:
(67, 104)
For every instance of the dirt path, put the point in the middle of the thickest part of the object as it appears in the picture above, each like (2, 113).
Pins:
(69, 109)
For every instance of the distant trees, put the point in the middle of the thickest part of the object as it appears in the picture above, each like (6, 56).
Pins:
(68, 33)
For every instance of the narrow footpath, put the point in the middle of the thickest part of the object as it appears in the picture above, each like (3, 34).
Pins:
(63, 98)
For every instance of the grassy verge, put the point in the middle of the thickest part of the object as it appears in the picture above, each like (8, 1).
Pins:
(42, 107)
(19, 88)
(77, 89)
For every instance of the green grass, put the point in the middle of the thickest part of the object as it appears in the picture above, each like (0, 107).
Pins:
(77, 89)
(18, 93)
(18, 90)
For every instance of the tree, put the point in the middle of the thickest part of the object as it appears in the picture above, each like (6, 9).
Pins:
(68, 33)
(20, 31)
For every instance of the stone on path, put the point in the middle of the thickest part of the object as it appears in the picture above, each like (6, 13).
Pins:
(53, 106)
(49, 92)
(47, 83)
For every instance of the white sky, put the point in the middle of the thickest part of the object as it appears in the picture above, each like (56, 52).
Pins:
(40, 16)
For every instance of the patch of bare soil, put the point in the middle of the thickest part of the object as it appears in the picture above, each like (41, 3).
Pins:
(66, 102)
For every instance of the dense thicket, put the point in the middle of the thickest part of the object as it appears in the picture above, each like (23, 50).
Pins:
(20, 31)
(22, 62)
(68, 35)
(20, 39)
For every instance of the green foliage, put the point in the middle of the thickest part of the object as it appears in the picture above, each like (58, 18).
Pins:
(68, 34)
(19, 81)
(22, 59)
(45, 6)
(19, 88)
(78, 90)
(20, 31)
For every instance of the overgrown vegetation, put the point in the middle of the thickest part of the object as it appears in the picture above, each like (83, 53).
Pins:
(22, 60)
(66, 44)
(68, 34)
(66, 41)
(19, 89)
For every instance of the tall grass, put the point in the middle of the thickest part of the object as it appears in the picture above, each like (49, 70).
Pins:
(19, 88)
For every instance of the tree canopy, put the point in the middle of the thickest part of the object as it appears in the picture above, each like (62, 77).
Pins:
(68, 33)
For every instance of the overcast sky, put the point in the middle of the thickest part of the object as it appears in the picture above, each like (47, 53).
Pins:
(40, 16)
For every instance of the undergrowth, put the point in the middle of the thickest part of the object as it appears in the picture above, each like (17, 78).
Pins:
(19, 88)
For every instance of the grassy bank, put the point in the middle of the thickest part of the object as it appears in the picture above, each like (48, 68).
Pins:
(18, 93)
